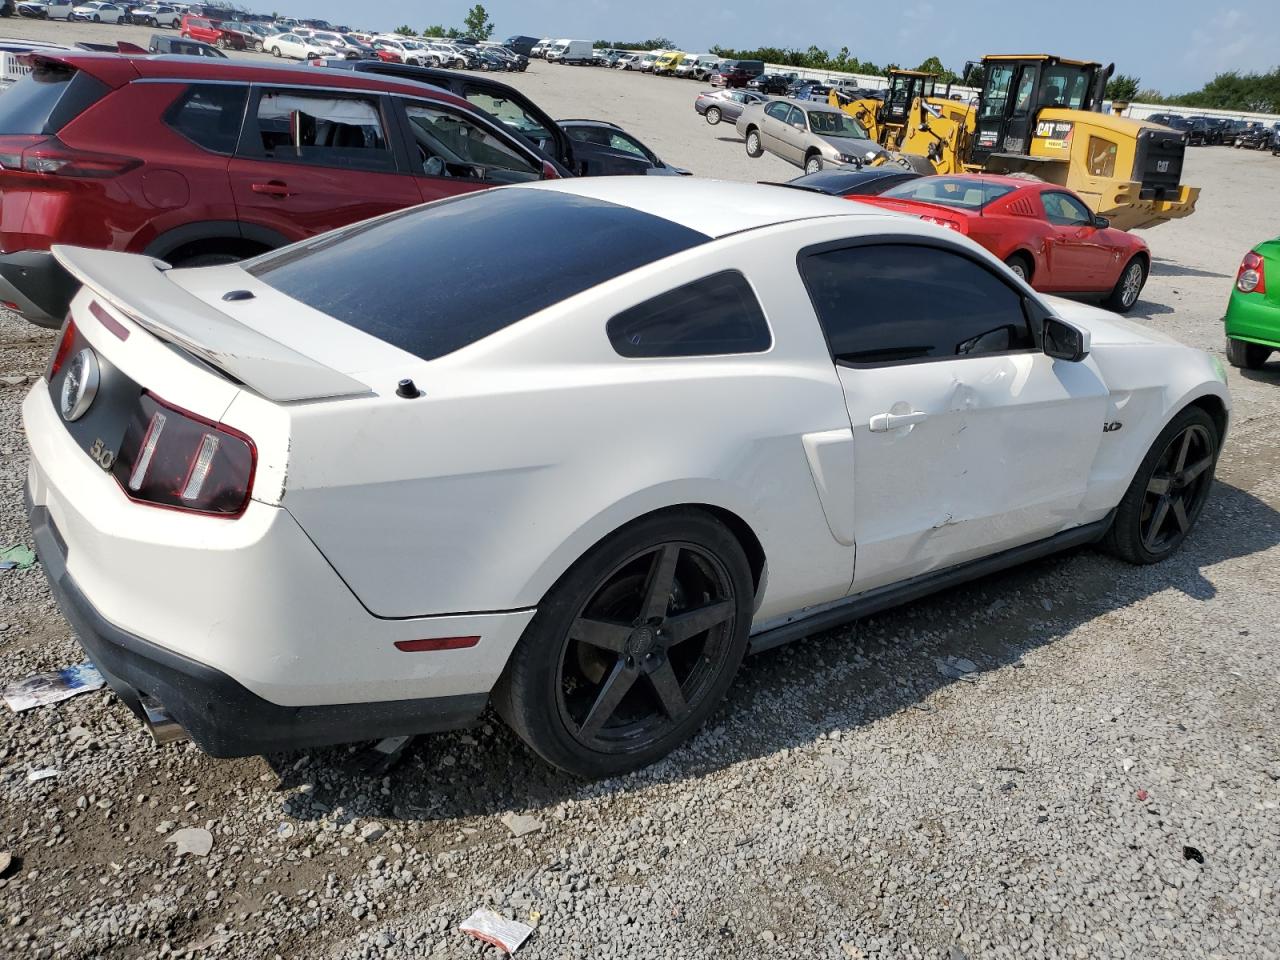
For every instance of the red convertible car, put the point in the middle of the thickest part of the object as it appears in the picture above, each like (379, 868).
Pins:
(1044, 232)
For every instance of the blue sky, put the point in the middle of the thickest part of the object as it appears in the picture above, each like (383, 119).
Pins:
(1173, 45)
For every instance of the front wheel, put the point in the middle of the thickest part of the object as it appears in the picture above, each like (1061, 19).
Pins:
(813, 164)
(221, 43)
(754, 147)
(275, 51)
(633, 648)
(713, 115)
(1168, 492)
(1248, 356)
(1125, 293)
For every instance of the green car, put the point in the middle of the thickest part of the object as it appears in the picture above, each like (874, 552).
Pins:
(1253, 315)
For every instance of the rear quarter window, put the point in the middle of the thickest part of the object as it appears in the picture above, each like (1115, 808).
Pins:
(713, 316)
(49, 98)
(210, 115)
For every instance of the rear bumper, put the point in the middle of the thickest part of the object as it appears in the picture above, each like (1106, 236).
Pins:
(1254, 318)
(223, 717)
(37, 285)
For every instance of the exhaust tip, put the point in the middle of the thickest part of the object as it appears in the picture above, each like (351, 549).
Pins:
(162, 727)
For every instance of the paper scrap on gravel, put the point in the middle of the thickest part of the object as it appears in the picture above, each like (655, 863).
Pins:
(46, 688)
(194, 840)
(16, 558)
(493, 929)
(520, 825)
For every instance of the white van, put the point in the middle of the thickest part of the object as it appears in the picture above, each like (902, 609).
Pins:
(571, 51)
(697, 66)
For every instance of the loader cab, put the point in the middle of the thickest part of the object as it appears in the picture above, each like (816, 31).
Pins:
(1014, 91)
(904, 87)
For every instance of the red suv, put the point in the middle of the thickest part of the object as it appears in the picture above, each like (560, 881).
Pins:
(211, 31)
(198, 161)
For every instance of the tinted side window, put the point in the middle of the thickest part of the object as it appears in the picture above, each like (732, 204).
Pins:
(300, 127)
(1065, 211)
(777, 110)
(210, 115)
(49, 98)
(715, 315)
(897, 303)
(449, 145)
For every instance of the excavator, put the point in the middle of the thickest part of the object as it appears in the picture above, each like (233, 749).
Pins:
(1038, 116)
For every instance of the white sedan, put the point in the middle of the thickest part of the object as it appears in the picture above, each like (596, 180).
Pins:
(284, 503)
(296, 48)
(99, 11)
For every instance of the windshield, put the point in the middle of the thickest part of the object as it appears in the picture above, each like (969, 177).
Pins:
(967, 193)
(836, 124)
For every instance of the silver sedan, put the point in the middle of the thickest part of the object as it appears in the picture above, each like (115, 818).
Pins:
(717, 105)
(810, 135)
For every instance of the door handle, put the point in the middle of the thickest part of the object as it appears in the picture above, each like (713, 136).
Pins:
(273, 188)
(884, 422)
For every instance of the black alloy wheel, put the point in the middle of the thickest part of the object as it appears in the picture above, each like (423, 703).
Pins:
(635, 646)
(1177, 488)
(644, 646)
(1169, 491)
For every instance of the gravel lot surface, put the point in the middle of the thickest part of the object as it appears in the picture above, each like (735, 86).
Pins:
(1102, 783)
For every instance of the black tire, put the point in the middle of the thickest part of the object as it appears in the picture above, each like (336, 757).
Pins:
(1247, 356)
(97, 18)
(631, 694)
(1129, 287)
(257, 46)
(275, 52)
(755, 148)
(1168, 491)
(713, 115)
(813, 163)
(1021, 265)
(221, 43)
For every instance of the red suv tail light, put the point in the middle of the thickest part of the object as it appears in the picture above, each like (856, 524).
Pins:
(50, 156)
(173, 458)
(1252, 276)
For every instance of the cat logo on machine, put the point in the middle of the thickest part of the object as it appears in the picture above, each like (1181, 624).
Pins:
(1056, 134)
(1162, 166)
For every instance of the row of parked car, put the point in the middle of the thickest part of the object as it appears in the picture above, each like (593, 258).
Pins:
(1207, 131)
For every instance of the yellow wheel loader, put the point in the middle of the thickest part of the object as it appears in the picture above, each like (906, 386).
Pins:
(1041, 115)
(886, 120)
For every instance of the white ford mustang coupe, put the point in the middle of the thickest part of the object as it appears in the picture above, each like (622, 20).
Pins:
(369, 483)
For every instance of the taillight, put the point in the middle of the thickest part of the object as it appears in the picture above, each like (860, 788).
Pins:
(63, 349)
(1252, 277)
(943, 222)
(173, 458)
(51, 157)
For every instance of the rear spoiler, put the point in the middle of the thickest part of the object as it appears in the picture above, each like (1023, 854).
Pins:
(137, 287)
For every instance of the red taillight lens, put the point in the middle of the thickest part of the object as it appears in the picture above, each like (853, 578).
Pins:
(12, 147)
(943, 222)
(53, 157)
(1252, 276)
(64, 348)
(173, 458)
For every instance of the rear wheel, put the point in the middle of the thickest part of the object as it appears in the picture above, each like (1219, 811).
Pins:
(754, 146)
(1249, 356)
(1168, 492)
(633, 648)
(1125, 293)
(257, 46)
(1021, 266)
(713, 115)
(221, 43)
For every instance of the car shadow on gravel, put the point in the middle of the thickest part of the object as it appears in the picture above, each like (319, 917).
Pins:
(1171, 268)
(1146, 309)
(1268, 373)
(792, 697)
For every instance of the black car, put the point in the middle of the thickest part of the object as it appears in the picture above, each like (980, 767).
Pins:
(183, 47)
(1164, 119)
(844, 182)
(521, 45)
(1198, 129)
(505, 104)
(1255, 135)
(604, 149)
(773, 84)
(1216, 129)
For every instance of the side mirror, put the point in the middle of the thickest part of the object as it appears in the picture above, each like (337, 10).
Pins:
(1062, 341)
(1101, 223)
